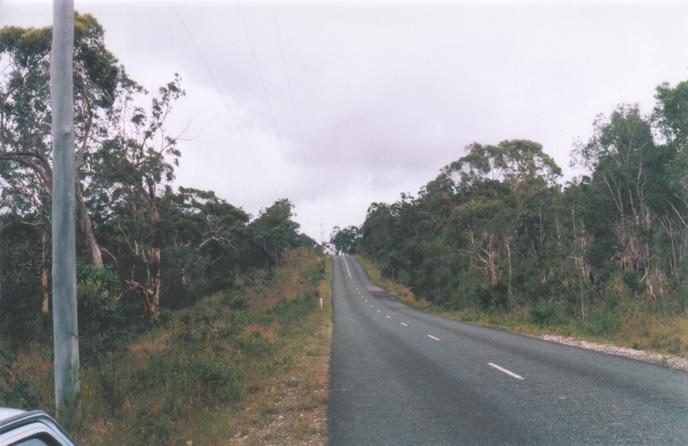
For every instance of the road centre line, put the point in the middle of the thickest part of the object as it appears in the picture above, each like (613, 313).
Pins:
(347, 268)
(503, 370)
(387, 316)
(404, 324)
(432, 337)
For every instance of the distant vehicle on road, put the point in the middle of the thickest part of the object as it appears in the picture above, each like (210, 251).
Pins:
(33, 428)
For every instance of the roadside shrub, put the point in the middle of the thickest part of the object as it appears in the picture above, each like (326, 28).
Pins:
(254, 345)
(670, 344)
(632, 281)
(189, 332)
(103, 325)
(14, 390)
(470, 317)
(548, 313)
(601, 322)
(153, 428)
(493, 298)
(111, 388)
(234, 302)
(189, 378)
(290, 310)
(314, 275)
(467, 293)
(21, 320)
(232, 326)
(217, 380)
(21, 292)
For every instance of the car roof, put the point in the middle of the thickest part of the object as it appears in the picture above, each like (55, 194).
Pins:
(6, 413)
(13, 418)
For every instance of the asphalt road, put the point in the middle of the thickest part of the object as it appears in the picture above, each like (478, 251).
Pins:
(400, 376)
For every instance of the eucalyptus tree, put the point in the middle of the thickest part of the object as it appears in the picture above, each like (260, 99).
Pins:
(205, 239)
(25, 117)
(345, 239)
(131, 172)
(630, 170)
(22, 197)
(274, 231)
(671, 118)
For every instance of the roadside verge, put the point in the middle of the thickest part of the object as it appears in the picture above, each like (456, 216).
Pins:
(517, 323)
(290, 408)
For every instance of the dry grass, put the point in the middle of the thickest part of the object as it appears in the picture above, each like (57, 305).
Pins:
(657, 333)
(213, 374)
(291, 409)
(284, 285)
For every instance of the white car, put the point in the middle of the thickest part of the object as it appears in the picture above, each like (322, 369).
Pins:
(33, 428)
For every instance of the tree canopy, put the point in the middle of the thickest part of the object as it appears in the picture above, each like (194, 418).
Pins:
(143, 244)
(497, 229)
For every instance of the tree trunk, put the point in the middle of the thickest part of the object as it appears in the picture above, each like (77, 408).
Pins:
(153, 280)
(580, 290)
(507, 243)
(45, 285)
(87, 228)
(153, 283)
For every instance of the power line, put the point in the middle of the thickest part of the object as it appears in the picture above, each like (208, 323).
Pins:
(209, 71)
(260, 72)
(286, 74)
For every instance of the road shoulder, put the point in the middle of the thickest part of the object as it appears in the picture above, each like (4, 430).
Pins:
(291, 409)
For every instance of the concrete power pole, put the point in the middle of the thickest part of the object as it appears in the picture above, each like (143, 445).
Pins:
(65, 332)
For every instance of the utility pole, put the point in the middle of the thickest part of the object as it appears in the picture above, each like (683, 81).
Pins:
(65, 331)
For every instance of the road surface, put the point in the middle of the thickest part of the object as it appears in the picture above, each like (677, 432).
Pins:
(400, 376)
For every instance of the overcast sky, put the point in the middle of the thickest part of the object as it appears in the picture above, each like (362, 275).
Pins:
(337, 105)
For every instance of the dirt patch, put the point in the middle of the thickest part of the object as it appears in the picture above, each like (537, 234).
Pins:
(268, 332)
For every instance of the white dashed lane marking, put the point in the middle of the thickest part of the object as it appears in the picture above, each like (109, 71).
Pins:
(503, 370)
(434, 338)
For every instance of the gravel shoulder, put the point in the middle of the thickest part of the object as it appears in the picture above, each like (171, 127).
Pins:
(676, 362)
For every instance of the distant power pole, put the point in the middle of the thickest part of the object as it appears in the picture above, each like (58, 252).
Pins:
(321, 235)
(65, 331)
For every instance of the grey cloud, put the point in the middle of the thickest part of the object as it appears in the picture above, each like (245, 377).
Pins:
(385, 93)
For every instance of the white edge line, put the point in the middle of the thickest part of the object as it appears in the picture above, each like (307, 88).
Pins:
(503, 370)
(432, 337)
